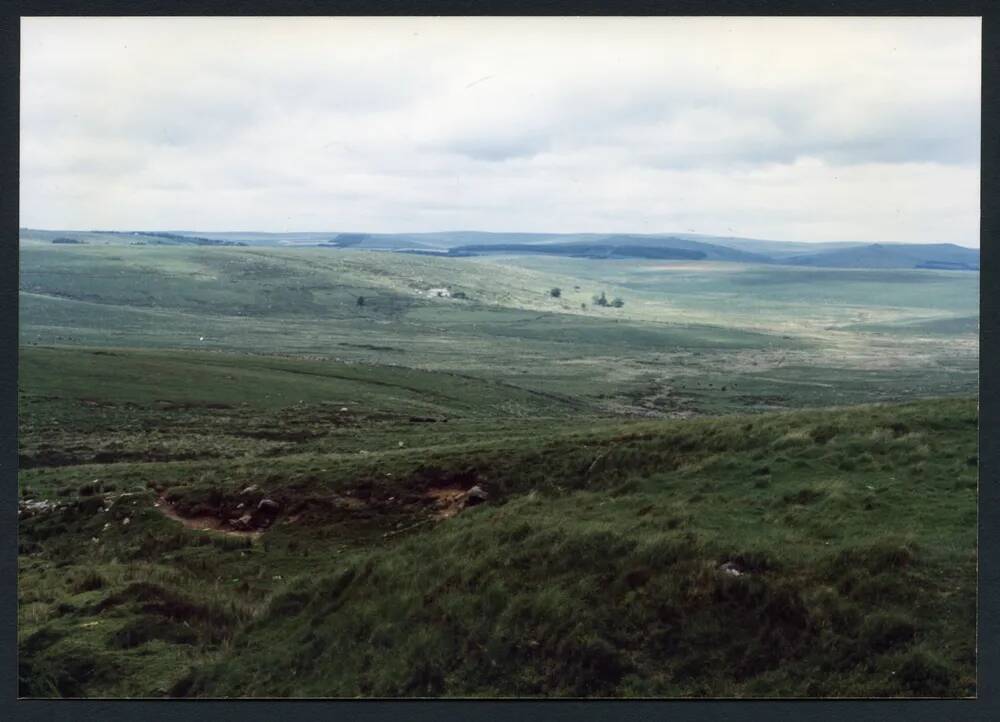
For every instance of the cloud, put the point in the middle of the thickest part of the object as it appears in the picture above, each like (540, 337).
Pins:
(802, 129)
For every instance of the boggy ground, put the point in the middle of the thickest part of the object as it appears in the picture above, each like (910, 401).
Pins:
(814, 553)
(727, 545)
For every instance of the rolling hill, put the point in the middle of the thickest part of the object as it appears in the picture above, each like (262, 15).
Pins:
(248, 471)
(938, 256)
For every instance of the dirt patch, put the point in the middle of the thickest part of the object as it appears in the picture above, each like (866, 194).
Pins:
(449, 501)
(203, 522)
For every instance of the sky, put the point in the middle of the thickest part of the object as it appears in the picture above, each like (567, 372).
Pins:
(800, 129)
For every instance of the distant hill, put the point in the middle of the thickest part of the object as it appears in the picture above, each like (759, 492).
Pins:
(680, 246)
(940, 256)
(621, 246)
(776, 250)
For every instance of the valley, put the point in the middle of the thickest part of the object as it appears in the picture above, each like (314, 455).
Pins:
(247, 471)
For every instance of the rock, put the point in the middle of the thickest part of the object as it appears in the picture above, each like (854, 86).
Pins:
(240, 505)
(126, 521)
(476, 495)
(37, 506)
(269, 504)
(250, 489)
(242, 523)
(730, 569)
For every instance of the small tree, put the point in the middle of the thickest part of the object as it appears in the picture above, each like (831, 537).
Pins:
(361, 300)
(617, 303)
(601, 300)
(555, 292)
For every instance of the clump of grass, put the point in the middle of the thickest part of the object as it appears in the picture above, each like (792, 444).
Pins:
(140, 630)
(885, 630)
(52, 663)
(804, 497)
(89, 581)
(926, 675)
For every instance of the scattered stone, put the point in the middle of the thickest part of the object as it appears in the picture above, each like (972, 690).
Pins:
(126, 521)
(29, 508)
(240, 505)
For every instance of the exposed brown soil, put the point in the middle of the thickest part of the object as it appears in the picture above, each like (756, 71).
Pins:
(447, 502)
(204, 523)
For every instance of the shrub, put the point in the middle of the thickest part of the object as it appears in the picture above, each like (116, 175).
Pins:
(89, 582)
(555, 292)
(885, 630)
(924, 675)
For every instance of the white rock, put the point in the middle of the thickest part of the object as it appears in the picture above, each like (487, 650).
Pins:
(730, 569)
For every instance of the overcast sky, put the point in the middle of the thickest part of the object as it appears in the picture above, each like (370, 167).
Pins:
(793, 129)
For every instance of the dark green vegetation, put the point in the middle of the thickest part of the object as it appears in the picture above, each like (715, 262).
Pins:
(669, 511)
(593, 569)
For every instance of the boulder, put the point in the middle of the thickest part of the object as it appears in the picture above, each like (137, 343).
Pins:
(250, 489)
(268, 505)
(476, 495)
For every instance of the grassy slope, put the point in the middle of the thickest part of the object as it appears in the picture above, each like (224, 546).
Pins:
(683, 335)
(605, 582)
(593, 569)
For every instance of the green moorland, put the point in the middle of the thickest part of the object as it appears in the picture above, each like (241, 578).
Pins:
(681, 502)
